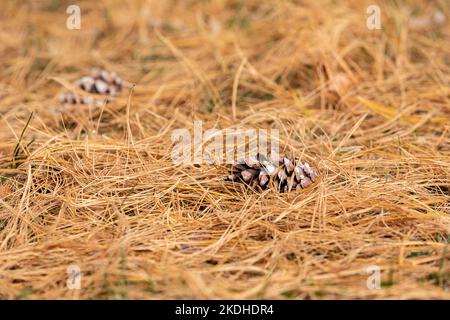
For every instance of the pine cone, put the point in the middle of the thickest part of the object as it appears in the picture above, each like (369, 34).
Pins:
(260, 173)
(99, 82)
(73, 98)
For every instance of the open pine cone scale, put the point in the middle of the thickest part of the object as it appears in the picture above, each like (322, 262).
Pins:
(286, 175)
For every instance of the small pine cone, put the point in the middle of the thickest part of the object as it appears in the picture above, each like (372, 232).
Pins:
(68, 98)
(72, 98)
(102, 82)
(260, 173)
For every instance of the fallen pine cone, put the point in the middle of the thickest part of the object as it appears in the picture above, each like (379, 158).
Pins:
(73, 98)
(260, 173)
(99, 82)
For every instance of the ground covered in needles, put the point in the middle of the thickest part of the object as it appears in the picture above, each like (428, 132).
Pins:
(94, 185)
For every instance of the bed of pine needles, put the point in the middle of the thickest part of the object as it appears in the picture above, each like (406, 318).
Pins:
(96, 187)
